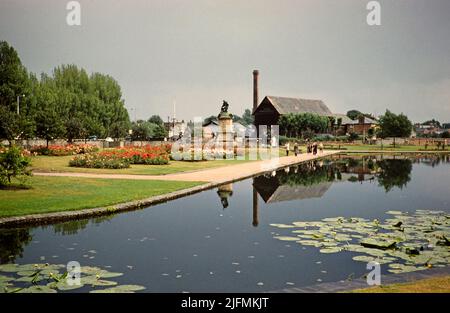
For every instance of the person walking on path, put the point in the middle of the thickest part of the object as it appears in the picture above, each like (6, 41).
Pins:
(296, 148)
(287, 149)
(314, 147)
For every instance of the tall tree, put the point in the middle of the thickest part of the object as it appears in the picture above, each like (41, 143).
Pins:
(392, 125)
(156, 119)
(49, 125)
(247, 117)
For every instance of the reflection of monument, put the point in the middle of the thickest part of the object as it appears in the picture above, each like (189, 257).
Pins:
(224, 192)
(225, 133)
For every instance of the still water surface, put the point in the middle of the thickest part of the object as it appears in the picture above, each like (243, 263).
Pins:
(221, 240)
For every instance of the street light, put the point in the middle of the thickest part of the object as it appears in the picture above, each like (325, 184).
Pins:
(18, 103)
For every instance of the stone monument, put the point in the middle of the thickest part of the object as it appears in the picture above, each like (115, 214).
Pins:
(225, 136)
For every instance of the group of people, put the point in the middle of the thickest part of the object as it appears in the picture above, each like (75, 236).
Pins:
(296, 149)
(310, 148)
(313, 147)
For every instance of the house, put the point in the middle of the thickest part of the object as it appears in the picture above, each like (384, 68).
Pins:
(175, 128)
(271, 108)
(210, 129)
(360, 126)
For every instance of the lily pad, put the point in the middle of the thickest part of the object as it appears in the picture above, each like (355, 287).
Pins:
(378, 243)
(37, 289)
(330, 250)
(286, 238)
(120, 289)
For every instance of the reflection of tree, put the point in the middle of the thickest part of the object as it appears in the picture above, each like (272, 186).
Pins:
(432, 159)
(12, 243)
(308, 174)
(72, 227)
(394, 173)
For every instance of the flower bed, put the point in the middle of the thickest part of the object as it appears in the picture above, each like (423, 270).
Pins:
(63, 150)
(123, 157)
(97, 160)
(153, 155)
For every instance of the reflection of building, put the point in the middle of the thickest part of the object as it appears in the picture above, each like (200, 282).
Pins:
(271, 190)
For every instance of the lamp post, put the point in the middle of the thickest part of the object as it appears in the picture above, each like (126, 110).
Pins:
(18, 103)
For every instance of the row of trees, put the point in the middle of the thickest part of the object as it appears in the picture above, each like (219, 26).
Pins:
(298, 124)
(68, 104)
(153, 128)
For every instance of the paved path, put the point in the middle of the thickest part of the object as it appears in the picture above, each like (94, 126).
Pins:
(215, 175)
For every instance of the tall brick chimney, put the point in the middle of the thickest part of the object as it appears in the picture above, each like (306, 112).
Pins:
(255, 89)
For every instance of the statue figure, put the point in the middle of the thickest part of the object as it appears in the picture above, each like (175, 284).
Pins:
(224, 108)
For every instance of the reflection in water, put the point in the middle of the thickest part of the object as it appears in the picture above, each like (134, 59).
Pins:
(311, 180)
(74, 226)
(12, 244)
(394, 173)
(225, 192)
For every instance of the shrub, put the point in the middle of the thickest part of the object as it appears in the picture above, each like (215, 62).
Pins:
(96, 160)
(13, 164)
(353, 137)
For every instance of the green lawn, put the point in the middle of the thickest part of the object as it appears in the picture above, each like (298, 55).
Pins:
(61, 164)
(429, 285)
(52, 194)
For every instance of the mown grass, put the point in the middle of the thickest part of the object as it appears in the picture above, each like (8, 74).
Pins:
(429, 285)
(54, 194)
(61, 164)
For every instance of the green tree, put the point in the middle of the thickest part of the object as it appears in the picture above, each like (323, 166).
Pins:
(392, 125)
(353, 114)
(13, 126)
(49, 125)
(156, 119)
(247, 117)
(13, 164)
(13, 77)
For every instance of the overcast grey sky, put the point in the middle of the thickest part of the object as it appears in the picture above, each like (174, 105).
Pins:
(198, 52)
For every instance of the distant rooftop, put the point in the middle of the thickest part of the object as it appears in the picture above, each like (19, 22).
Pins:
(286, 105)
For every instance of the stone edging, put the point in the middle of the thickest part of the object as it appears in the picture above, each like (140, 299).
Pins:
(47, 218)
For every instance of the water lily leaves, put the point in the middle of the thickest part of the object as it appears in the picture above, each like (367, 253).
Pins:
(30, 278)
(4, 278)
(415, 241)
(310, 243)
(120, 289)
(9, 268)
(330, 250)
(282, 225)
(286, 238)
(37, 289)
(394, 212)
(378, 243)
(64, 286)
(402, 268)
(334, 219)
(367, 259)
